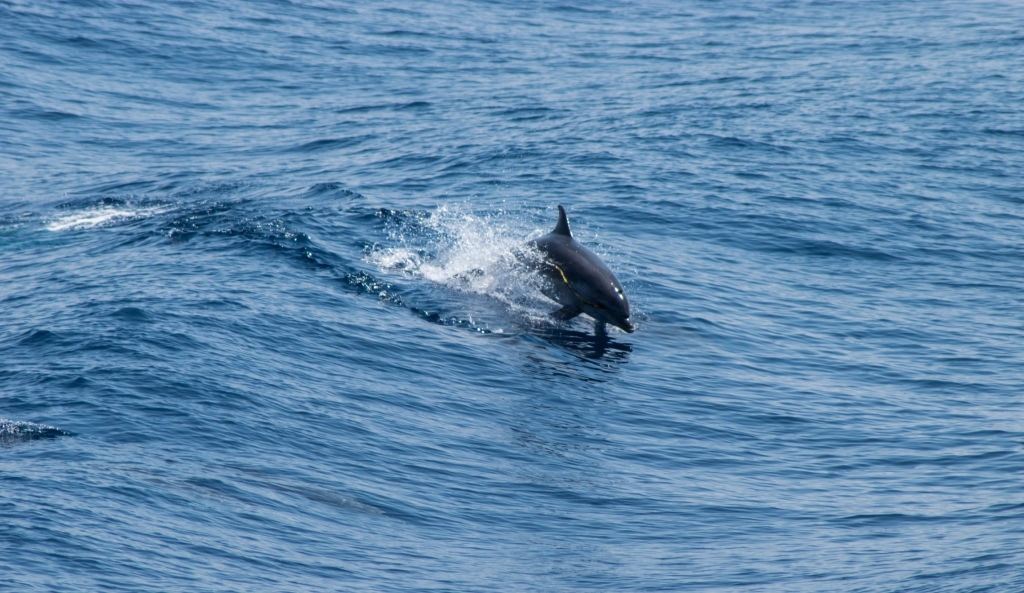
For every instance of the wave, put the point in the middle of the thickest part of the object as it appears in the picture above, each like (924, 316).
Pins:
(451, 266)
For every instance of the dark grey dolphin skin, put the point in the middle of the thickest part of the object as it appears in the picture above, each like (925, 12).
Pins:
(578, 280)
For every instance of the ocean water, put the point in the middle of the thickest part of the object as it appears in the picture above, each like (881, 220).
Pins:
(261, 327)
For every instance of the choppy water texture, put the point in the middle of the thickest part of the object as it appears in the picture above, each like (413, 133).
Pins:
(261, 329)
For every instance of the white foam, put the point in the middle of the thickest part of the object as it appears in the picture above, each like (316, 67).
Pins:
(101, 216)
(466, 252)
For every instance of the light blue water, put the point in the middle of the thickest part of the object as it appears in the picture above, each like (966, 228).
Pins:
(235, 354)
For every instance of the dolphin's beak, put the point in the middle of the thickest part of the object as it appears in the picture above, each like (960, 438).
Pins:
(627, 326)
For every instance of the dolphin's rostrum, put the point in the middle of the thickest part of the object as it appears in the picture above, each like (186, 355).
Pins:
(578, 280)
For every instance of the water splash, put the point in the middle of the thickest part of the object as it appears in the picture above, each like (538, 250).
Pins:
(465, 252)
(101, 215)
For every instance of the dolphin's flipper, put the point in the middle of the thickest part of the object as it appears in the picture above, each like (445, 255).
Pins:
(567, 312)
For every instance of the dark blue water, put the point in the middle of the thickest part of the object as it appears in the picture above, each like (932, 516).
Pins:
(259, 330)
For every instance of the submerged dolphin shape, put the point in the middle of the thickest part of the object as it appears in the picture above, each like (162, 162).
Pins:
(578, 280)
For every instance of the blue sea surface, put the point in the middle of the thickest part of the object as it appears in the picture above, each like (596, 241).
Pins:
(261, 327)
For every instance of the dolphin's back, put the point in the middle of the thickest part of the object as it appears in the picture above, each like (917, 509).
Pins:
(577, 266)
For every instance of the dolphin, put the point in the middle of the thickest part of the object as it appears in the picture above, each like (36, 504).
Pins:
(578, 280)
(16, 431)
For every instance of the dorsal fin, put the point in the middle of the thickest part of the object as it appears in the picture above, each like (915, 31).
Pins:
(562, 228)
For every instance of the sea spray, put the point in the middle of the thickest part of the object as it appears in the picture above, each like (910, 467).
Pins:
(467, 252)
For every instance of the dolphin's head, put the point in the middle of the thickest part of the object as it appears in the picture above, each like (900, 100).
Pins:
(607, 302)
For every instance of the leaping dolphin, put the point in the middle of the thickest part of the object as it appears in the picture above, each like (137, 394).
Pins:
(578, 280)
